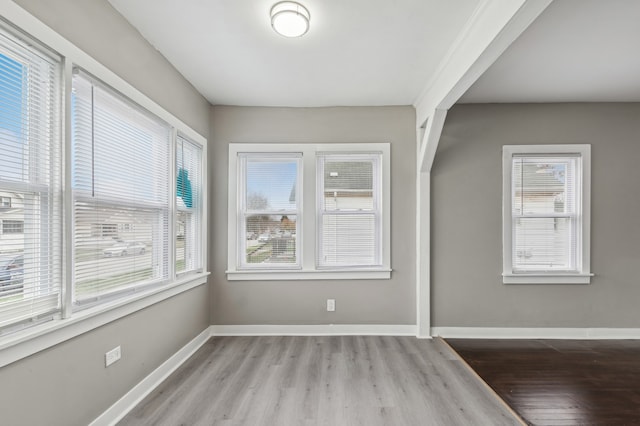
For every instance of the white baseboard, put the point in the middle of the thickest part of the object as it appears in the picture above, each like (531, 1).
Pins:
(315, 330)
(536, 333)
(121, 407)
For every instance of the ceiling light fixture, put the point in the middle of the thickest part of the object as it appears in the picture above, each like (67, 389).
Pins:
(290, 19)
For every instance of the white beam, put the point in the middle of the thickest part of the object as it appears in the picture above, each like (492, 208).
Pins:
(494, 25)
(430, 140)
(423, 254)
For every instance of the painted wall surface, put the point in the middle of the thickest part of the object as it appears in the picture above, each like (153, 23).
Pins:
(68, 384)
(467, 288)
(304, 302)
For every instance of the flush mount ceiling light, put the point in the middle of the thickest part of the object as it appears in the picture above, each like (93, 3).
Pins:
(290, 19)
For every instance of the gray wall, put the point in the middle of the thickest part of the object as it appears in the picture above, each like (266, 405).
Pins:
(304, 302)
(68, 383)
(467, 287)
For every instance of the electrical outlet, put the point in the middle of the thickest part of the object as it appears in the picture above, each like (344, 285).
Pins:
(331, 305)
(112, 356)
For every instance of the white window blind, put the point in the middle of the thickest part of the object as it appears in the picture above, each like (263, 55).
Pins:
(269, 211)
(30, 179)
(349, 216)
(120, 181)
(545, 213)
(188, 205)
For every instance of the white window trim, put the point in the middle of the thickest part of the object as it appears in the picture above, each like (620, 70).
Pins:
(583, 276)
(307, 241)
(23, 343)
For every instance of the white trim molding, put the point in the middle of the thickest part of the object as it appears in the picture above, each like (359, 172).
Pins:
(547, 279)
(125, 404)
(315, 330)
(319, 274)
(598, 333)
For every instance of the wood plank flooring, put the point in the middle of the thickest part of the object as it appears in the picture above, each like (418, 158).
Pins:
(322, 380)
(561, 382)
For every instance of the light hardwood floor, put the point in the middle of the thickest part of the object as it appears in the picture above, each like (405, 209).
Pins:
(322, 380)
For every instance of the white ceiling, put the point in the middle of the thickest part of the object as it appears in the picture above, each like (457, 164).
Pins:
(576, 51)
(357, 52)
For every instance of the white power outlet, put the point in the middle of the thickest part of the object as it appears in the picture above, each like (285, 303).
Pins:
(331, 305)
(112, 356)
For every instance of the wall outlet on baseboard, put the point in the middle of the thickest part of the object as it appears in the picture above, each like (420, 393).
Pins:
(112, 356)
(331, 305)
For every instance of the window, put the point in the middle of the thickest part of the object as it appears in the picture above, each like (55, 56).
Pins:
(30, 179)
(120, 176)
(133, 189)
(12, 226)
(308, 211)
(269, 211)
(349, 210)
(188, 205)
(546, 214)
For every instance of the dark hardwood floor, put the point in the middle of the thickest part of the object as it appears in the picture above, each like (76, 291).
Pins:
(561, 382)
(322, 380)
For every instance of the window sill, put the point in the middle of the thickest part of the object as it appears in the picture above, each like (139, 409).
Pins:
(333, 274)
(24, 343)
(546, 278)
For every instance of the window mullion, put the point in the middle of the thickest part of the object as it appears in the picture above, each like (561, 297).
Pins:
(172, 203)
(68, 214)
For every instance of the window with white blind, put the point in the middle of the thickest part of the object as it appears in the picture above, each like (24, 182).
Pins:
(120, 183)
(349, 210)
(309, 211)
(546, 214)
(30, 182)
(188, 228)
(102, 193)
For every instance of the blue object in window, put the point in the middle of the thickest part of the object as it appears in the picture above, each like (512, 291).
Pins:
(184, 188)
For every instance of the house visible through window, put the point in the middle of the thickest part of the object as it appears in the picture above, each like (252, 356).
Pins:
(546, 213)
(349, 210)
(301, 210)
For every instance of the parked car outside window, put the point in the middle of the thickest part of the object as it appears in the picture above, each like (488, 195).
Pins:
(125, 249)
(11, 273)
